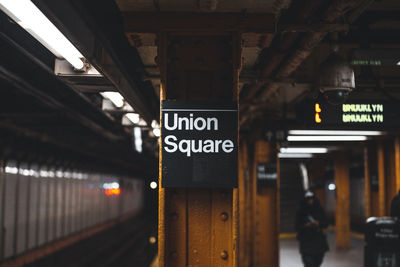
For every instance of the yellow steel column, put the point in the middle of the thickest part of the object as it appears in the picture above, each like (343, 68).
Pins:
(244, 206)
(198, 227)
(250, 196)
(266, 243)
(342, 207)
(367, 183)
(381, 181)
(397, 161)
(390, 173)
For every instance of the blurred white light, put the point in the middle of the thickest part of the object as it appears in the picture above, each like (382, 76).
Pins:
(152, 240)
(153, 185)
(295, 155)
(25, 172)
(326, 138)
(331, 187)
(157, 132)
(116, 98)
(142, 123)
(154, 124)
(29, 17)
(137, 133)
(44, 173)
(304, 150)
(133, 117)
(333, 132)
(113, 185)
(12, 170)
(398, 63)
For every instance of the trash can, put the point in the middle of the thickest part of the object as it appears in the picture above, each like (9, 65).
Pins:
(382, 237)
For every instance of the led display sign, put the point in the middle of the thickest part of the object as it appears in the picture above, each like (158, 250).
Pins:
(199, 144)
(356, 114)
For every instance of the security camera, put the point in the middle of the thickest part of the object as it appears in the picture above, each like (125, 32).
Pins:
(336, 79)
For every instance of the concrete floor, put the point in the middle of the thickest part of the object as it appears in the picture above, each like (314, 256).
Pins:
(353, 257)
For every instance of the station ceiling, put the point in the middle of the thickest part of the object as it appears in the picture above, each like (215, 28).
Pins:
(281, 57)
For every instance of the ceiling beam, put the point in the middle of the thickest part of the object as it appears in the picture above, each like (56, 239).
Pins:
(25, 72)
(185, 21)
(301, 50)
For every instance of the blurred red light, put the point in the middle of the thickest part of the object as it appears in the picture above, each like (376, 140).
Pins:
(114, 191)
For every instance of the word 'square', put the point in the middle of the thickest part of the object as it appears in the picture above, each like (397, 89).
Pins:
(199, 144)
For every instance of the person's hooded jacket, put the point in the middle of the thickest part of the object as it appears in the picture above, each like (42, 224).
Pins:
(312, 239)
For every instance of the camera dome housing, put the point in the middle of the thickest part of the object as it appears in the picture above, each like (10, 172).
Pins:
(336, 79)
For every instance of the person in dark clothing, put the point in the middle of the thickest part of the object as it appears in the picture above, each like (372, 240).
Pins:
(395, 206)
(310, 222)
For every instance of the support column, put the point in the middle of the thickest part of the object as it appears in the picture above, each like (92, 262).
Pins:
(367, 183)
(342, 210)
(198, 227)
(397, 162)
(390, 173)
(244, 206)
(381, 181)
(266, 215)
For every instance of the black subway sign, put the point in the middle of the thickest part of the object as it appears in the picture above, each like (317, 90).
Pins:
(267, 174)
(199, 144)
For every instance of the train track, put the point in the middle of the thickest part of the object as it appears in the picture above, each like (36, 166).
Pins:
(126, 244)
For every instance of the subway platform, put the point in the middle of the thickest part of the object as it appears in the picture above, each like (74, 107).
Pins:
(352, 257)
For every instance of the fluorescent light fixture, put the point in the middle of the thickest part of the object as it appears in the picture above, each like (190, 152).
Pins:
(295, 155)
(137, 133)
(304, 150)
(133, 117)
(326, 138)
(29, 17)
(116, 98)
(334, 132)
(331, 187)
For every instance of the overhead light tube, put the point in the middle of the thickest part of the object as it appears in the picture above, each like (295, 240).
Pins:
(295, 155)
(334, 132)
(133, 117)
(29, 17)
(304, 150)
(116, 98)
(326, 138)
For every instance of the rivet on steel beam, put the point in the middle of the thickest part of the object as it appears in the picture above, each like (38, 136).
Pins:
(224, 216)
(224, 255)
